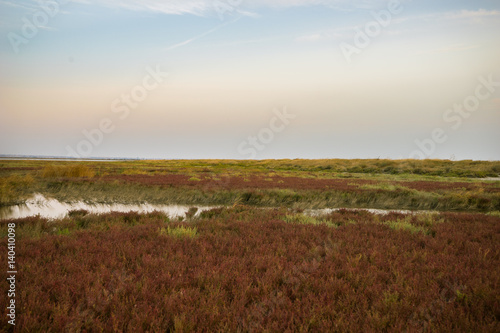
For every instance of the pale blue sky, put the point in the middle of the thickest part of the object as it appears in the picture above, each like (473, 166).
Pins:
(229, 72)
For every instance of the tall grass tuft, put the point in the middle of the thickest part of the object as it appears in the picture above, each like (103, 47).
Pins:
(72, 171)
(405, 224)
(179, 232)
(305, 219)
(10, 186)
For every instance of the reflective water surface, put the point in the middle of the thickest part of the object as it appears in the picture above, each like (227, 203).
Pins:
(54, 209)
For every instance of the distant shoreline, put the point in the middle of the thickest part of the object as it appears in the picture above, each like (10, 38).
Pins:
(111, 159)
(65, 159)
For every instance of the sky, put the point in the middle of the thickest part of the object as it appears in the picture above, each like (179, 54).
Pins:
(243, 79)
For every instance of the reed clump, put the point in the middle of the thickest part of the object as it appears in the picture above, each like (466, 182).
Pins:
(11, 186)
(69, 171)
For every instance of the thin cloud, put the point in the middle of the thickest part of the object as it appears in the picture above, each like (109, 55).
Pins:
(310, 38)
(328, 35)
(190, 40)
(17, 5)
(249, 41)
(210, 7)
(471, 14)
(451, 48)
(475, 17)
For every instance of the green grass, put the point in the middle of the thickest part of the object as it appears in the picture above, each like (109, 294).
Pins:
(11, 188)
(386, 187)
(495, 213)
(405, 225)
(179, 232)
(323, 168)
(112, 192)
(308, 220)
(422, 222)
(70, 181)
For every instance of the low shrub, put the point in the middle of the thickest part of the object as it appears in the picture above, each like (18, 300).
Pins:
(244, 269)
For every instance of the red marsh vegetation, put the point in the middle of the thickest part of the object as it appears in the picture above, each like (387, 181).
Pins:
(295, 183)
(248, 269)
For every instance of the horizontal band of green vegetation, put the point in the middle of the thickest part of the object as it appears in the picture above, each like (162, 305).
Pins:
(459, 200)
(93, 182)
(443, 168)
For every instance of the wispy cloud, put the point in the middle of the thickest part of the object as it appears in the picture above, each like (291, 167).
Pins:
(471, 14)
(209, 7)
(249, 41)
(17, 5)
(479, 16)
(333, 34)
(190, 40)
(451, 48)
(310, 38)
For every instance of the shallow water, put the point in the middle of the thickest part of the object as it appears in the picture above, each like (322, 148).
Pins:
(325, 211)
(54, 209)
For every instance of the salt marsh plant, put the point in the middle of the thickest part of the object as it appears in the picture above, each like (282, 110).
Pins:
(74, 171)
(246, 269)
(307, 220)
(179, 232)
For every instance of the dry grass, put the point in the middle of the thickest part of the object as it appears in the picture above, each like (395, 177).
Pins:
(70, 171)
(10, 186)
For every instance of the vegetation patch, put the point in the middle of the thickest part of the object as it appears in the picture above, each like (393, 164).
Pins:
(73, 171)
(252, 272)
(308, 220)
(384, 184)
(405, 224)
(11, 186)
(179, 232)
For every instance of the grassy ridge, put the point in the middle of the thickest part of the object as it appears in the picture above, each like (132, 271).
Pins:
(248, 269)
(297, 183)
(442, 168)
(473, 200)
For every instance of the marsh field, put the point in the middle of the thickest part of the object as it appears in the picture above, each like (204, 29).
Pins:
(281, 245)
